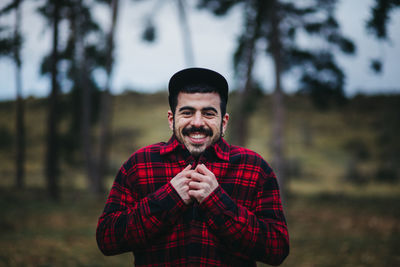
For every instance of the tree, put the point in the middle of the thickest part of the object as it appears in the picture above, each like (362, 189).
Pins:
(378, 22)
(380, 17)
(52, 10)
(244, 60)
(149, 33)
(106, 104)
(377, 25)
(80, 19)
(84, 53)
(282, 23)
(12, 46)
(186, 34)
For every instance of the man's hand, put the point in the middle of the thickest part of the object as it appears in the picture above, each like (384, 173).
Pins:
(181, 184)
(202, 184)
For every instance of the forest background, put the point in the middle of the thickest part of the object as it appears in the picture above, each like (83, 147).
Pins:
(337, 156)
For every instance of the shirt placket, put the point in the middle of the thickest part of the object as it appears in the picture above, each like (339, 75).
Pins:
(195, 229)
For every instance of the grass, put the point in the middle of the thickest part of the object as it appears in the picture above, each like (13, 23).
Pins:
(325, 230)
(332, 221)
(38, 232)
(340, 230)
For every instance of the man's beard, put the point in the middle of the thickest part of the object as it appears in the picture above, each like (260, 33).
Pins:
(194, 149)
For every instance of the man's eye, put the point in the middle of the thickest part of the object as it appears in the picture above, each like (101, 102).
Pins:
(186, 113)
(209, 114)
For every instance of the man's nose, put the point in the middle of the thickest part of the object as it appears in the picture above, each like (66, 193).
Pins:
(198, 120)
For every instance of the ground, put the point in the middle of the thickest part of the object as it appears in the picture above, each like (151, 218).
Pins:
(333, 218)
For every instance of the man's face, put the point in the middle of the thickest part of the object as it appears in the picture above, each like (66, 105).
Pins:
(198, 121)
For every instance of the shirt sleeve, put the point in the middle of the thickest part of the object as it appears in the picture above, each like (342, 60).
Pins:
(260, 234)
(129, 222)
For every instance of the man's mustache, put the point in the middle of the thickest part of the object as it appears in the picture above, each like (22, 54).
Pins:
(193, 129)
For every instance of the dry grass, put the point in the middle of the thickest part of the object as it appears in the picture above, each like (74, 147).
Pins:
(332, 222)
(325, 230)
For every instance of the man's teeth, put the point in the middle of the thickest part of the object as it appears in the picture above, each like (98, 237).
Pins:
(197, 136)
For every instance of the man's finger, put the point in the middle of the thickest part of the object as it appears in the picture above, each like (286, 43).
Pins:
(186, 170)
(188, 167)
(194, 185)
(201, 168)
(194, 193)
(198, 177)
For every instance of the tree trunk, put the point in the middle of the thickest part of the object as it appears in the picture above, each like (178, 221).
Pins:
(186, 36)
(106, 106)
(242, 114)
(20, 127)
(241, 118)
(52, 158)
(104, 141)
(244, 98)
(86, 130)
(20, 124)
(82, 81)
(278, 103)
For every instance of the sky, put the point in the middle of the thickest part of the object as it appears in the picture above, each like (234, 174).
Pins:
(147, 67)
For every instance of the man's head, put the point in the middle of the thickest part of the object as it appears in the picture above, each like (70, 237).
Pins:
(197, 80)
(198, 99)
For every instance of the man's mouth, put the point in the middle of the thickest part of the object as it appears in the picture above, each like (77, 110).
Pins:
(194, 131)
(197, 135)
(197, 138)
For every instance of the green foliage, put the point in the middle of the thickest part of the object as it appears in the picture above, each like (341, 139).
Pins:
(10, 7)
(218, 7)
(380, 17)
(376, 65)
(10, 41)
(323, 80)
(377, 25)
(320, 75)
(149, 33)
(6, 46)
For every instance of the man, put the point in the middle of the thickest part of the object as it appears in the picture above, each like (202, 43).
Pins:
(196, 200)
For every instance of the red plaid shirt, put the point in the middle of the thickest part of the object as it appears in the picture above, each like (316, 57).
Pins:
(239, 223)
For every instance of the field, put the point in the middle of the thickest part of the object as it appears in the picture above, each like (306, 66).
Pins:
(339, 212)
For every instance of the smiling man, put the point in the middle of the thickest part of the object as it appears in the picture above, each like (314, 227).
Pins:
(195, 200)
(197, 120)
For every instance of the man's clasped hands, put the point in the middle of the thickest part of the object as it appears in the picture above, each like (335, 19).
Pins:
(194, 184)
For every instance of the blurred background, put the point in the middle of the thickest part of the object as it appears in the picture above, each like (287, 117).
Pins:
(314, 89)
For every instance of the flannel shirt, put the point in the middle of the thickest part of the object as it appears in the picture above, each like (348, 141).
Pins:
(239, 223)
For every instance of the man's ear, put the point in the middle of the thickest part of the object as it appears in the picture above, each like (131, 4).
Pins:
(225, 120)
(171, 120)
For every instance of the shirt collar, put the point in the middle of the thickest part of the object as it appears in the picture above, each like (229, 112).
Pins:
(221, 147)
